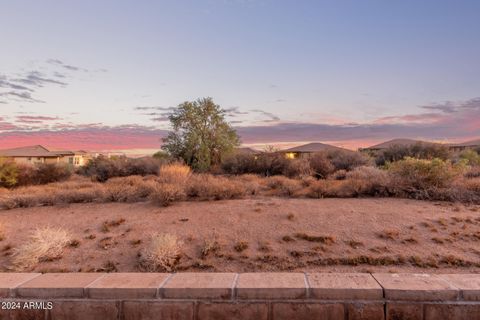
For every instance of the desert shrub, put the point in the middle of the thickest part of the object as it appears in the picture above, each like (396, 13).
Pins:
(297, 168)
(367, 181)
(162, 254)
(347, 160)
(50, 172)
(418, 150)
(418, 174)
(142, 166)
(166, 193)
(251, 183)
(8, 173)
(472, 185)
(270, 164)
(471, 157)
(319, 189)
(473, 172)
(283, 186)
(103, 168)
(321, 165)
(175, 173)
(44, 245)
(81, 195)
(206, 186)
(240, 163)
(339, 175)
(128, 189)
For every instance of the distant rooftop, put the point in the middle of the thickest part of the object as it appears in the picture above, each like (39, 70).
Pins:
(313, 147)
(35, 151)
(397, 142)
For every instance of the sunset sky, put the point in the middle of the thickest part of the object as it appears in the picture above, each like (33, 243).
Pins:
(104, 75)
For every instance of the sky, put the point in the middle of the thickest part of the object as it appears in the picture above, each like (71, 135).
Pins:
(104, 75)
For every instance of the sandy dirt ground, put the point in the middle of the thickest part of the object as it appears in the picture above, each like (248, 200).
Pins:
(262, 234)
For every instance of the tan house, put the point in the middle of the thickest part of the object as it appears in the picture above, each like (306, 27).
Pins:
(39, 154)
(307, 150)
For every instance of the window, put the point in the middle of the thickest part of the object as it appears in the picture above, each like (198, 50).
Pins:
(70, 160)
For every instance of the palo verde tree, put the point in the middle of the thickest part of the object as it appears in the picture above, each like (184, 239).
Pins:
(201, 136)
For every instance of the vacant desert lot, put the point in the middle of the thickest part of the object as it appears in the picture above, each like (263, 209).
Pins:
(261, 234)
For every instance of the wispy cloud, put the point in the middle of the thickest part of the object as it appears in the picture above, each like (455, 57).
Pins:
(270, 117)
(22, 87)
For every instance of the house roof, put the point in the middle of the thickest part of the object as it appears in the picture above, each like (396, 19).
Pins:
(246, 150)
(471, 143)
(397, 142)
(36, 151)
(313, 147)
(29, 151)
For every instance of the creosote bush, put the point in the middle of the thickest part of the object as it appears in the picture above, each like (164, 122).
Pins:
(420, 174)
(103, 168)
(44, 245)
(162, 254)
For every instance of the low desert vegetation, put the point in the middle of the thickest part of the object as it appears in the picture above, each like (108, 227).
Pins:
(420, 172)
(44, 244)
(163, 253)
(434, 179)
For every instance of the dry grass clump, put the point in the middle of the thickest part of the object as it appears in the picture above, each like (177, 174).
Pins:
(166, 193)
(163, 253)
(208, 187)
(174, 173)
(322, 239)
(45, 244)
(389, 234)
(128, 189)
(210, 246)
(241, 246)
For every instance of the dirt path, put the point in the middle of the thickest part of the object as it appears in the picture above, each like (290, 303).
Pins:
(342, 235)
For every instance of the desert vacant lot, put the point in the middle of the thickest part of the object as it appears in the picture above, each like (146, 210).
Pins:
(259, 234)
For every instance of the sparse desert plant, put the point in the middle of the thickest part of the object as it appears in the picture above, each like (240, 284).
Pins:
(166, 193)
(321, 165)
(322, 239)
(8, 173)
(297, 168)
(283, 186)
(390, 234)
(367, 181)
(208, 187)
(50, 172)
(473, 172)
(210, 246)
(427, 151)
(44, 245)
(241, 246)
(416, 174)
(346, 159)
(162, 254)
(174, 173)
(102, 168)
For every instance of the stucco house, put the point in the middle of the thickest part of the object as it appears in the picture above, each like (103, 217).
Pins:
(307, 150)
(39, 154)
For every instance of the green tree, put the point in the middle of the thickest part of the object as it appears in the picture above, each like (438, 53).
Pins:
(8, 173)
(201, 136)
